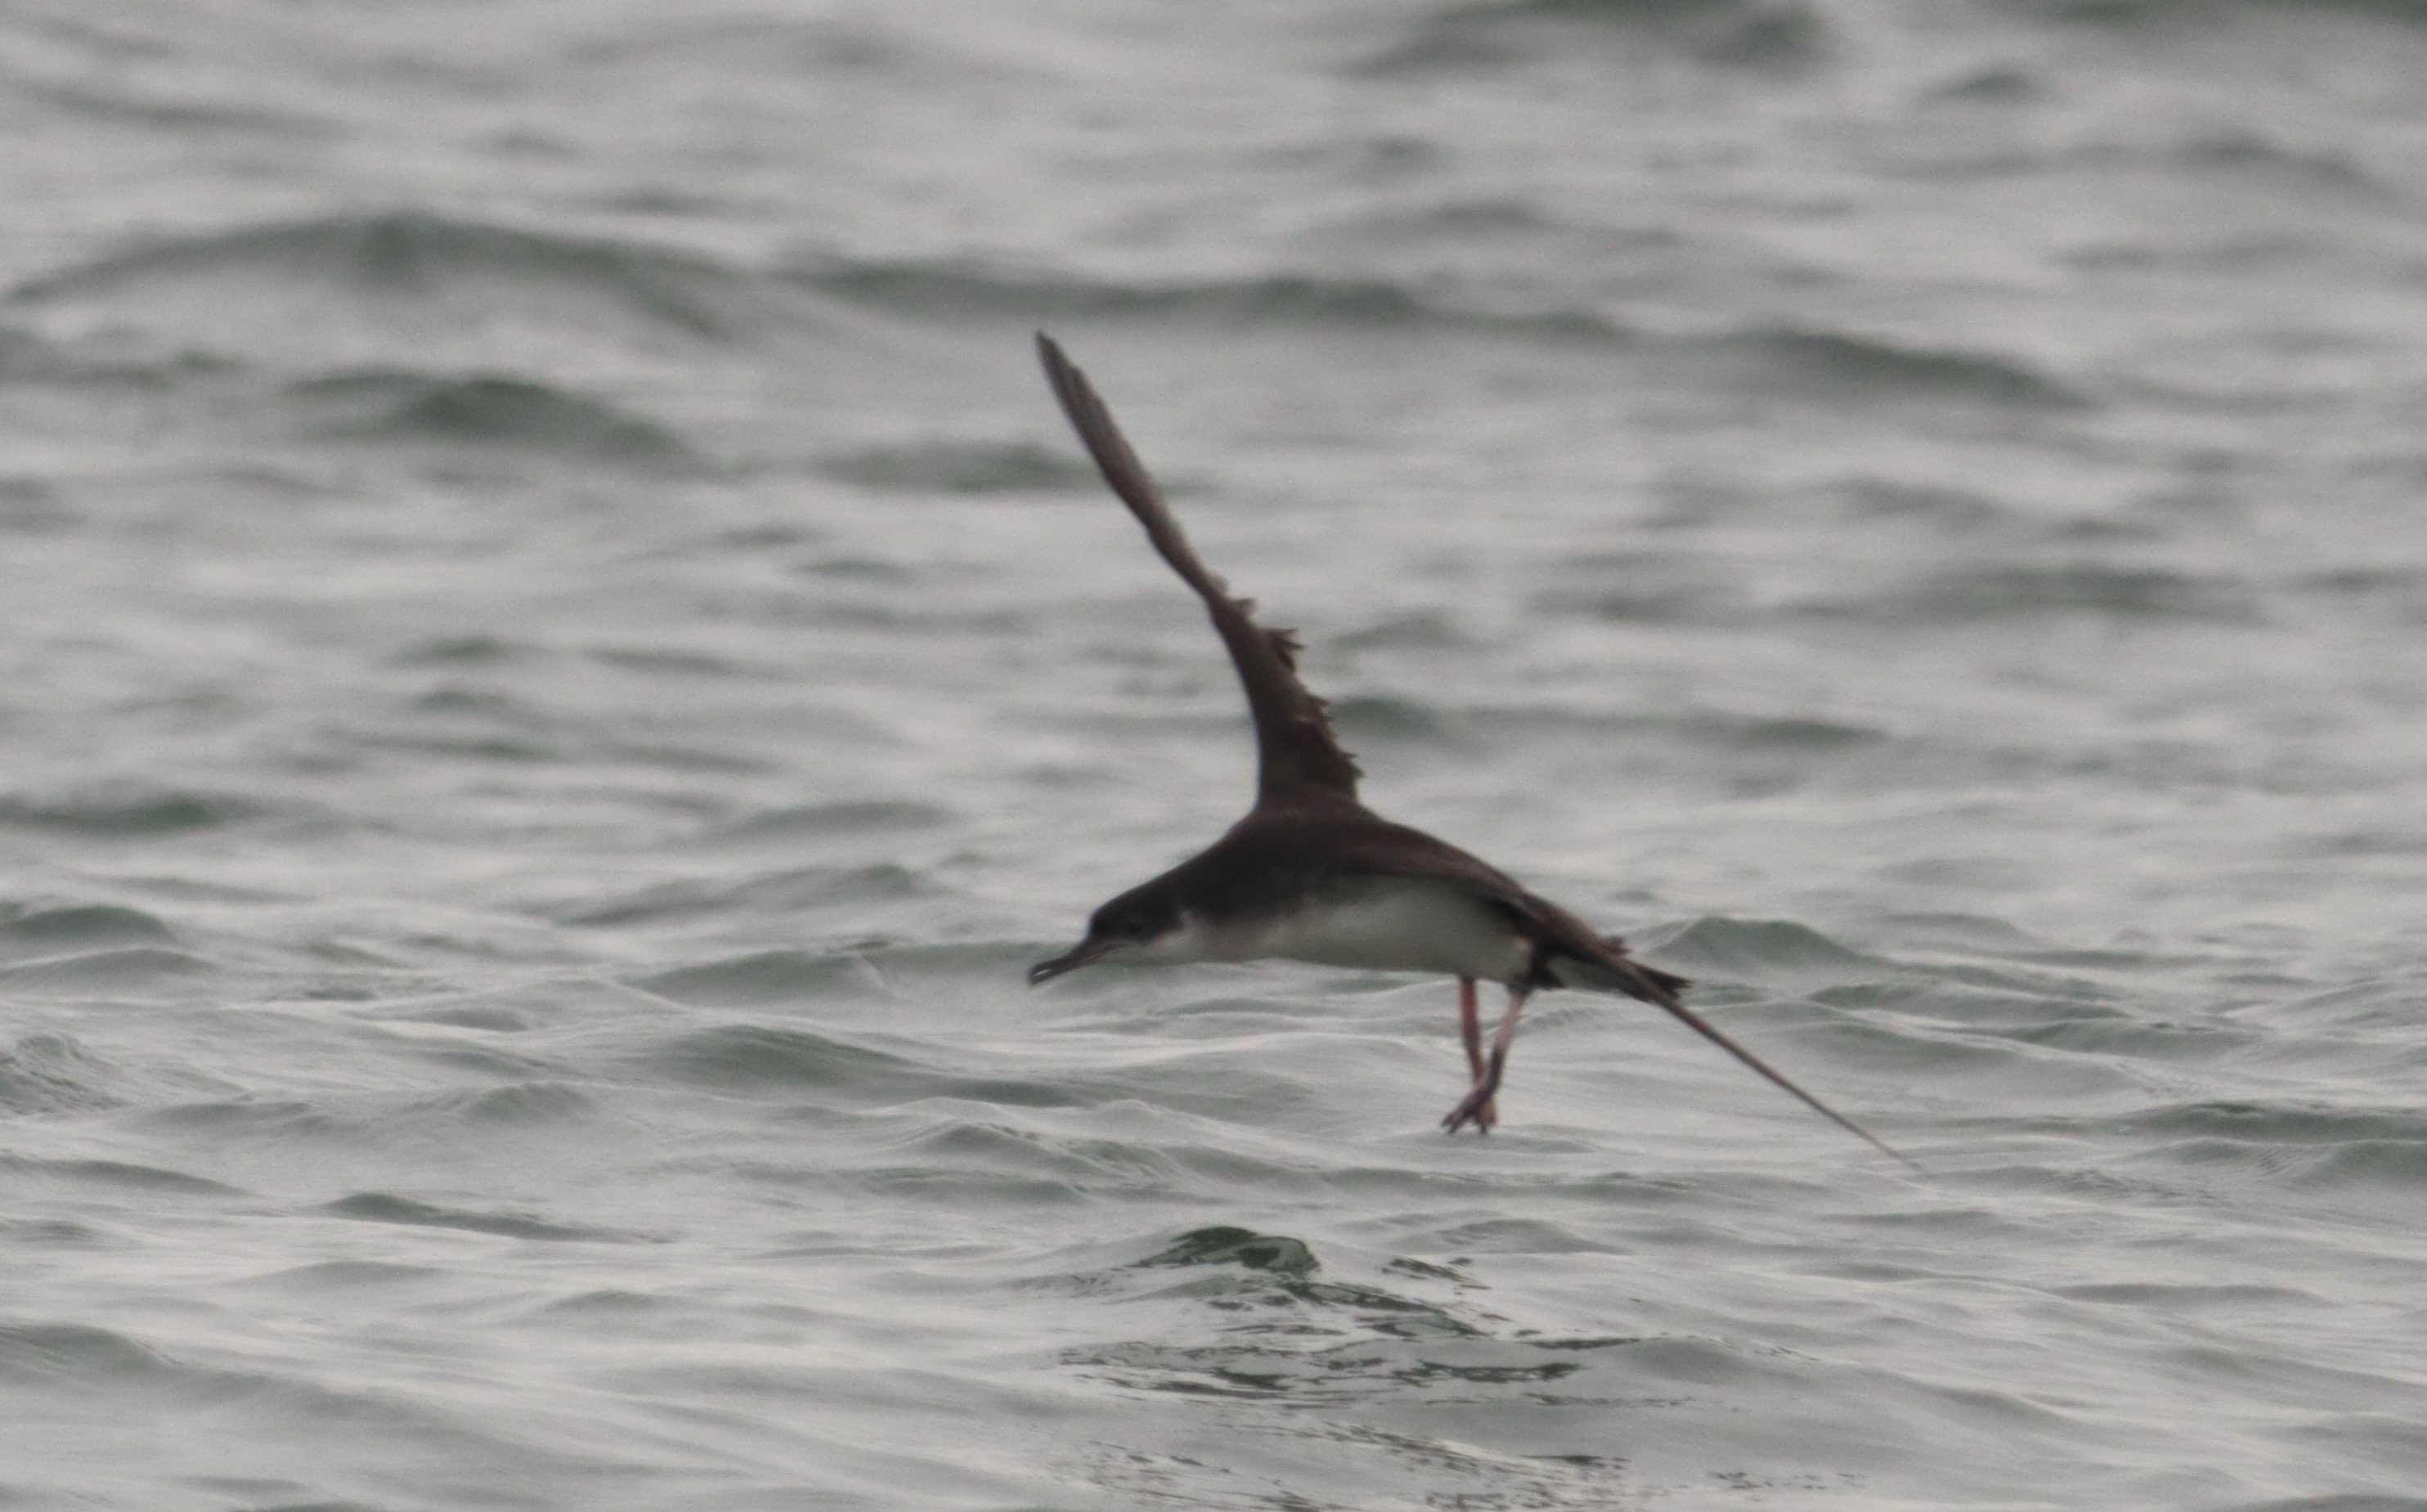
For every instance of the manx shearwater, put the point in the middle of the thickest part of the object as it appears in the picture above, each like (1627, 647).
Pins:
(1313, 874)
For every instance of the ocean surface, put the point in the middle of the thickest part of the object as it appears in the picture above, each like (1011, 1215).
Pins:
(557, 663)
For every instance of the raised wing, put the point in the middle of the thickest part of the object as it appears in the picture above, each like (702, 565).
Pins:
(1297, 759)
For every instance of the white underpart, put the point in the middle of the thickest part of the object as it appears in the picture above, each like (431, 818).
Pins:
(1384, 925)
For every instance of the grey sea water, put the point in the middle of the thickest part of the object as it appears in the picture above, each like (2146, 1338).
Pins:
(557, 664)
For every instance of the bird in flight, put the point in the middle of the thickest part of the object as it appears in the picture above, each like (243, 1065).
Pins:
(1313, 874)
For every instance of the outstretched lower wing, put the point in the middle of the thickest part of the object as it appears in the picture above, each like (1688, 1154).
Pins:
(1297, 759)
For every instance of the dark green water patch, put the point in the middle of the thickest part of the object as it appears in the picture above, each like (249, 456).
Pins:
(1838, 366)
(476, 650)
(488, 410)
(795, 888)
(2278, 1124)
(275, 1120)
(1277, 1253)
(966, 289)
(1759, 950)
(103, 971)
(520, 1105)
(1962, 931)
(2224, 1299)
(765, 976)
(381, 259)
(128, 811)
(608, 1303)
(381, 1207)
(959, 467)
(54, 1233)
(146, 1178)
(1415, 630)
(1518, 1236)
(671, 661)
(974, 1148)
(1243, 1270)
(53, 1073)
(817, 822)
(353, 1275)
(2346, 1502)
(1376, 718)
(758, 1057)
(1733, 34)
(90, 926)
(1802, 734)
(67, 1354)
(2368, 1163)
(1991, 593)
(2116, 1035)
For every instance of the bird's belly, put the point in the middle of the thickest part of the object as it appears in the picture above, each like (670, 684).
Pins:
(1385, 926)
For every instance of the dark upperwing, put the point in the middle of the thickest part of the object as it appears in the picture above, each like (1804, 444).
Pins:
(1298, 762)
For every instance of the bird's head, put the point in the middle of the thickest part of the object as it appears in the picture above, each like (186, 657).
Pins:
(1132, 922)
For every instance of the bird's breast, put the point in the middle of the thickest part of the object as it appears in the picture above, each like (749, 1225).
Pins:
(1376, 924)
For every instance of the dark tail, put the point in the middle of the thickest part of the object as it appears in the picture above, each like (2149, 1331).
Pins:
(1619, 972)
(1668, 982)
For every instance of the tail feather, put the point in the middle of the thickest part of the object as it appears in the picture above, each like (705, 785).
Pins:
(1619, 972)
(1616, 971)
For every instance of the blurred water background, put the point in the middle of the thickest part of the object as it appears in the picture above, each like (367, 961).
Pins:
(559, 663)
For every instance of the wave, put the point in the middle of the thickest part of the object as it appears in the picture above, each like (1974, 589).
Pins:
(516, 1104)
(29, 357)
(2307, 1147)
(814, 821)
(2156, 14)
(1374, 719)
(57, 1355)
(52, 1073)
(1833, 364)
(950, 289)
(396, 286)
(1825, 366)
(1766, 34)
(409, 253)
(125, 810)
(794, 889)
(712, 46)
(118, 100)
(1759, 950)
(1276, 1253)
(745, 1057)
(382, 1207)
(105, 971)
(2286, 1124)
(1642, 587)
(150, 1180)
(1287, 1267)
(88, 926)
(2021, 591)
(958, 467)
(486, 410)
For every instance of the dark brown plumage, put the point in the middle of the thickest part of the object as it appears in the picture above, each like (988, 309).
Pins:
(1309, 853)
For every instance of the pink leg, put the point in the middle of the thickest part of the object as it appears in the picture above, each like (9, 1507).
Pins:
(1477, 1109)
(1470, 1027)
(1470, 1030)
